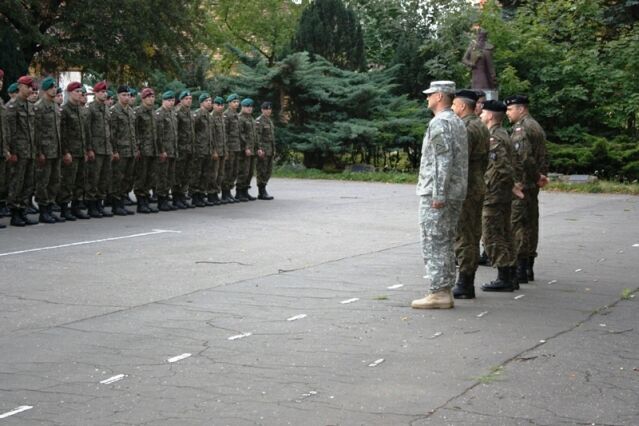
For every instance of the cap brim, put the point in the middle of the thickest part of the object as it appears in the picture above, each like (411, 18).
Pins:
(429, 91)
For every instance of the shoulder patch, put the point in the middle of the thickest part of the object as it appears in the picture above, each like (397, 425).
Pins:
(518, 129)
(517, 146)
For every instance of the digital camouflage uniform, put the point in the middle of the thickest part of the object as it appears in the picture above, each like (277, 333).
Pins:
(202, 152)
(184, 170)
(48, 143)
(20, 119)
(167, 142)
(122, 125)
(469, 227)
(246, 164)
(443, 176)
(218, 132)
(99, 171)
(4, 150)
(74, 141)
(231, 166)
(266, 142)
(147, 143)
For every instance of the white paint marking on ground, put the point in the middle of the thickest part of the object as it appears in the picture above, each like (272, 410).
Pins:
(436, 335)
(15, 411)
(542, 341)
(578, 270)
(481, 314)
(396, 286)
(347, 301)
(240, 336)
(376, 362)
(519, 297)
(113, 379)
(178, 358)
(82, 243)
(552, 282)
(296, 317)
(635, 245)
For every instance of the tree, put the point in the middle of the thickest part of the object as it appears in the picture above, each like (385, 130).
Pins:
(329, 29)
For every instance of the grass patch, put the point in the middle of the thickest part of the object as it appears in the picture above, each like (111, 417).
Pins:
(626, 294)
(492, 376)
(599, 187)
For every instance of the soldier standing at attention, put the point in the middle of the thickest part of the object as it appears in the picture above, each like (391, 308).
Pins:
(167, 144)
(203, 152)
(48, 149)
(20, 121)
(469, 227)
(122, 128)
(231, 168)
(12, 91)
(4, 151)
(59, 97)
(99, 171)
(248, 142)
(218, 133)
(147, 142)
(443, 180)
(265, 149)
(186, 140)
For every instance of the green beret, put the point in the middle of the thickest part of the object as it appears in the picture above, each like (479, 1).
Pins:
(133, 92)
(84, 89)
(247, 102)
(232, 97)
(218, 100)
(47, 83)
(204, 96)
(110, 94)
(13, 88)
(58, 90)
(169, 94)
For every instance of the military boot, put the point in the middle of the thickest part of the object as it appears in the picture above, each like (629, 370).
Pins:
(442, 299)
(142, 206)
(4, 210)
(101, 204)
(484, 260)
(205, 200)
(241, 195)
(213, 198)
(31, 208)
(198, 200)
(262, 194)
(522, 266)
(117, 207)
(513, 276)
(53, 215)
(151, 208)
(66, 213)
(2, 226)
(127, 200)
(223, 197)
(502, 283)
(464, 287)
(248, 195)
(186, 203)
(16, 218)
(93, 209)
(45, 217)
(77, 211)
(529, 271)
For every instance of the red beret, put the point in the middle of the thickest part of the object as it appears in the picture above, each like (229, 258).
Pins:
(1, 73)
(25, 79)
(146, 92)
(74, 85)
(100, 86)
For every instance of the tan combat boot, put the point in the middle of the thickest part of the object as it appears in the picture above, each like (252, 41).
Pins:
(439, 300)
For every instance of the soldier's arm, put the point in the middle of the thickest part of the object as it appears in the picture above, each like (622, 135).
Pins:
(91, 116)
(12, 128)
(441, 140)
(259, 140)
(37, 129)
(159, 127)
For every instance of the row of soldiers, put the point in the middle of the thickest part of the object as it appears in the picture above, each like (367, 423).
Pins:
(85, 157)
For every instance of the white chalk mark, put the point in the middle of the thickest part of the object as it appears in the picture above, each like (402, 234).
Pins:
(602, 325)
(396, 286)
(519, 297)
(635, 245)
(376, 362)
(347, 301)
(178, 358)
(82, 243)
(15, 411)
(578, 270)
(113, 379)
(296, 317)
(542, 341)
(436, 335)
(481, 314)
(240, 336)
(552, 282)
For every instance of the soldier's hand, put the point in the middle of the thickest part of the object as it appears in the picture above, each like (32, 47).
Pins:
(42, 160)
(163, 157)
(215, 156)
(438, 204)
(91, 155)
(517, 192)
(543, 181)
(247, 152)
(67, 159)
(115, 157)
(137, 155)
(260, 153)
(12, 159)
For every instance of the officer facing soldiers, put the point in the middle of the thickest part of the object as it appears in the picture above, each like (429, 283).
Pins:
(248, 143)
(529, 141)
(48, 151)
(147, 143)
(218, 133)
(122, 128)
(469, 227)
(99, 171)
(265, 149)
(20, 121)
(202, 152)
(443, 180)
(231, 168)
(167, 144)
(184, 165)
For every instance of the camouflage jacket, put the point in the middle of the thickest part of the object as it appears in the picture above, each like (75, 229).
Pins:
(122, 125)
(186, 132)
(500, 173)
(202, 125)
(478, 144)
(99, 132)
(529, 143)
(232, 126)
(247, 132)
(20, 120)
(443, 171)
(73, 130)
(146, 132)
(4, 146)
(47, 129)
(265, 135)
(167, 131)
(218, 133)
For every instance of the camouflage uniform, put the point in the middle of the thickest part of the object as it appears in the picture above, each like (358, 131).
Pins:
(48, 143)
(167, 142)
(99, 171)
(469, 227)
(147, 143)
(443, 176)
(231, 166)
(218, 133)
(73, 135)
(246, 164)
(266, 142)
(202, 152)
(4, 150)
(122, 125)
(20, 120)
(184, 167)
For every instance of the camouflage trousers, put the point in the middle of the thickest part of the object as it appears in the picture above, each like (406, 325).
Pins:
(73, 183)
(264, 169)
(497, 234)
(145, 175)
(520, 222)
(47, 181)
(231, 166)
(3, 180)
(469, 234)
(184, 171)
(202, 166)
(99, 174)
(217, 176)
(533, 216)
(123, 175)
(166, 177)
(20, 183)
(438, 228)
(245, 171)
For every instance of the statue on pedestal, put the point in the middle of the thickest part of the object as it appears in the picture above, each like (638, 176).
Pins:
(479, 58)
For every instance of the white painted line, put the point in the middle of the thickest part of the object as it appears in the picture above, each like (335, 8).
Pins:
(552, 282)
(519, 297)
(113, 379)
(347, 301)
(296, 317)
(82, 243)
(393, 287)
(15, 411)
(578, 270)
(240, 336)
(542, 341)
(178, 358)
(436, 335)
(635, 245)
(481, 314)
(376, 362)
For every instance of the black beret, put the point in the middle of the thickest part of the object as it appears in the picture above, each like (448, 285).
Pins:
(494, 105)
(267, 105)
(480, 93)
(123, 89)
(468, 94)
(516, 100)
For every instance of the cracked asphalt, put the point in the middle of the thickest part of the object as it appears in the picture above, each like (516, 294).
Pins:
(281, 313)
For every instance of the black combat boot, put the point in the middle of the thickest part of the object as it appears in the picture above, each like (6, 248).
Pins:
(262, 194)
(213, 199)
(66, 213)
(513, 276)
(529, 271)
(142, 205)
(117, 207)
(152, 209)
(522, 266)
(31, 208)
(100, 206)
(205, 200)
(464, 287)
(186, 202)
(25, 217)
(484, 260)
(56, 218)
(45, 217)
(127, 200)
(241, 195)
(93, 209)
(16, 218)
(248, 195)
(4, 210)
(503, 282)
(77, 211)
(198, 200)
